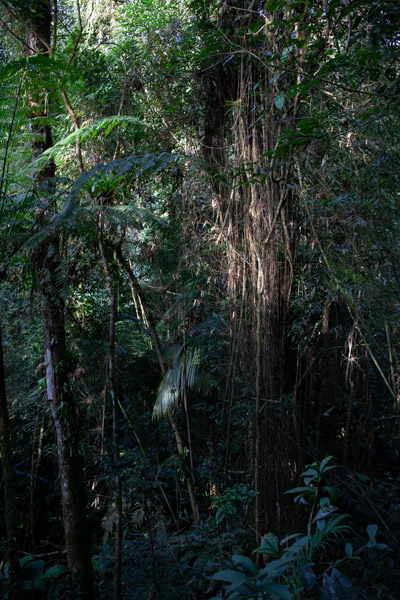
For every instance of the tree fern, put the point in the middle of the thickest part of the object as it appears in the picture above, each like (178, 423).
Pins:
(20, 210)
(118, 173)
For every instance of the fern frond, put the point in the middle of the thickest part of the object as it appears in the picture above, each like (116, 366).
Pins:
(118, 170)
(88, 132)
(31, 64)
(135, 338)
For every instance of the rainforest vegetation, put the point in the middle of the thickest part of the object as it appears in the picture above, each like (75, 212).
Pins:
(199, 299)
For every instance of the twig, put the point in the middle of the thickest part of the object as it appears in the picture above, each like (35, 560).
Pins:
(10, 132)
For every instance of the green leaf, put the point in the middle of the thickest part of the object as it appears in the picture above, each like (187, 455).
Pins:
(33, 570)
(299, 544)
(324, 463)
(269, 545)
(292, 536)
(55, 571)
(321, 524)
(275, 77)
(230, 576)
(276, 567)
(245, 562)
(371, 531)
(308, 480)
(349, 549)
(279, 100)
(324, 512)
(254, 27)
(276, 590)
(297, 490)
(331, 491)
(310, 473)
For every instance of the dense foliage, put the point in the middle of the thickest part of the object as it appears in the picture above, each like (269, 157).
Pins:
(199, 343)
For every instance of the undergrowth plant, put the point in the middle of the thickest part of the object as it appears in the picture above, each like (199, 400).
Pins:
(37, 580)
(314, 564)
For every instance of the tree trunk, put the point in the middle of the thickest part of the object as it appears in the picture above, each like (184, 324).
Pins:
(10, 511)
(64, 412)
(256, 222)
(65, 418)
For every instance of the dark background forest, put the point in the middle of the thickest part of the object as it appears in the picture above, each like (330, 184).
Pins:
(199, 299)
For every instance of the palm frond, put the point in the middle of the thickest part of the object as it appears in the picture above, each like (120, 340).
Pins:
(190, 368)
(185, 371)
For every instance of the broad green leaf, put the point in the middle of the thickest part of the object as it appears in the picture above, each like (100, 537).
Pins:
(310, 473)
(289, 537)
(269, 545)
(321, 524)
(349, 549)
(299, 544)
(372, 530)
(280, 100)
(245, 562)
(230, 576)
(297, 490)
(324, 512)
(276, 591)
(55, 571)
(324, 463)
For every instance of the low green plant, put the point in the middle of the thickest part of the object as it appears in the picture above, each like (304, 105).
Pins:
(234, 501)
(306, 565)
(36, 579)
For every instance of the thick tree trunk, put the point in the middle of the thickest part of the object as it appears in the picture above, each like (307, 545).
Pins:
(257, 226)
(10, 508)
(60, 398)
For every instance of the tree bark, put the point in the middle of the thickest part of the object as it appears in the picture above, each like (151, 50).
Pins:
(10, 507)
(60, 398)
(65, 418)
(257, 224)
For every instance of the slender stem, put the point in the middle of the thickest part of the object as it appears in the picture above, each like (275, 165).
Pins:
(7, 147)
(115, 425)
(157, 345)
(75, 121)
(196, 514)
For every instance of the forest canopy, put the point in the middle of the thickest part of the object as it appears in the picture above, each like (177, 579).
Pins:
(199, 299)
